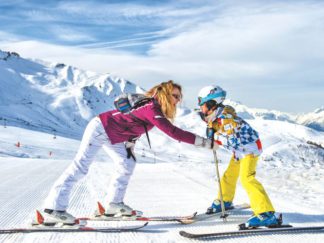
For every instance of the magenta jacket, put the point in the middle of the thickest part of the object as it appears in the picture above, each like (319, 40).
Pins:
(123, 127)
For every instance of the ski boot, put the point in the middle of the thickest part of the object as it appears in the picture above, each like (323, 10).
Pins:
(117, 210)
(50, 217)
(216, 207)
(266, 219)
(121, 209)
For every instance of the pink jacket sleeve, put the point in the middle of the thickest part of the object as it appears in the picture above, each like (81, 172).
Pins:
(162, 123)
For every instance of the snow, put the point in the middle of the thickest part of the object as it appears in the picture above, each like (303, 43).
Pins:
(45, 107)
(164, 183)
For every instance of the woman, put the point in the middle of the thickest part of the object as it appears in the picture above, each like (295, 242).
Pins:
(115, 131)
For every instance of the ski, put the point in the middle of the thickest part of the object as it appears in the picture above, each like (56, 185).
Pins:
(72, 229)
(204, 216)
(281, 229)
(179, 219)
(101, 216)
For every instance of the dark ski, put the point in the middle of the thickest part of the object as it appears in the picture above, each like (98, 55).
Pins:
(258, 231)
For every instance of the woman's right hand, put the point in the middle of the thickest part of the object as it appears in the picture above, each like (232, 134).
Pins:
(205, 143)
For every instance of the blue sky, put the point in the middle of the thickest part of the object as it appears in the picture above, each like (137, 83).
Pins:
(266, 54)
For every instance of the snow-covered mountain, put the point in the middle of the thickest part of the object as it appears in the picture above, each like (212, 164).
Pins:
(54, 97)
(58, 98)
(313, 119)
(253, 113)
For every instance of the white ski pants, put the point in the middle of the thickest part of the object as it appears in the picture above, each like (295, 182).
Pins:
(93, 139)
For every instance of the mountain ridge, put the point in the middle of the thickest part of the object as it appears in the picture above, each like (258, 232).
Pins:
(58, 98)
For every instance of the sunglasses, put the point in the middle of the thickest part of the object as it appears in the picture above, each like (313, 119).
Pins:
(176, 96)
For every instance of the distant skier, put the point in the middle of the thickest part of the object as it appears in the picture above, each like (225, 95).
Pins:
(116, 133)
(235, 134)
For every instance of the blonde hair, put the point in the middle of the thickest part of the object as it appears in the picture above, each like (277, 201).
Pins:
(163, 94)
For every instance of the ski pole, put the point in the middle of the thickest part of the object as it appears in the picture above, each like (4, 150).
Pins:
(220, 187)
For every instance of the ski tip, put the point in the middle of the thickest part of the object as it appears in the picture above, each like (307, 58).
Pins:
(182, 233)
(186, 221)
(186, 234)
(141, 226)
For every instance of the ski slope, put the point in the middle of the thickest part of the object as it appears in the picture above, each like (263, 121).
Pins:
(166, 182)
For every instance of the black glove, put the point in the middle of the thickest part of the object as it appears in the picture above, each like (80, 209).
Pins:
(129, 145)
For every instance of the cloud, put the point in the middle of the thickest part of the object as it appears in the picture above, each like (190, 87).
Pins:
(82, 58)
(253, 44)
(39, 15)
(255, 51)
(6, 37)
(70, 34)
(135, 13)
(115, 13)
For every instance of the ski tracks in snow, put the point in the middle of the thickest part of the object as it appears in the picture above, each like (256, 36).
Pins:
(157, 189)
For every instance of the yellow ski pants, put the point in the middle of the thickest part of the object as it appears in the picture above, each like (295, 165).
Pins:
(245, 169)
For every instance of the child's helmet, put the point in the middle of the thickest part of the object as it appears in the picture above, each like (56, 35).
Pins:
(211, 92)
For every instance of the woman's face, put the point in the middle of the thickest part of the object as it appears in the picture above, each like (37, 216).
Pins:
(176, 96)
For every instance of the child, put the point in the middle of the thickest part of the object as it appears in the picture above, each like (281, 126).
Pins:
(235, 134)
